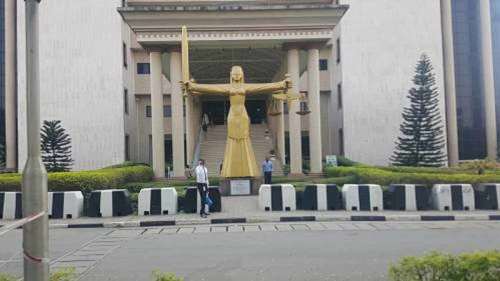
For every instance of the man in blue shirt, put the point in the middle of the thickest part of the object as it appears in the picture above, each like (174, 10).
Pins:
(267, 168)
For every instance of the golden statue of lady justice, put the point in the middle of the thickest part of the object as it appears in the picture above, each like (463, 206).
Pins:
(239, 158)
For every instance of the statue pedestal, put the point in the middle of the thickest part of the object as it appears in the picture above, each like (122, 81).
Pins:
(240, 186)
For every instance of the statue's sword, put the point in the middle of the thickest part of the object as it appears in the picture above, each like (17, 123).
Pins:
(185, 56)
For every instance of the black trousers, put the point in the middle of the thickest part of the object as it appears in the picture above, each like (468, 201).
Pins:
(202, 189)
(267, 177)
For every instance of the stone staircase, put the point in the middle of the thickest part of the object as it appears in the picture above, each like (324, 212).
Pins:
(214, 143)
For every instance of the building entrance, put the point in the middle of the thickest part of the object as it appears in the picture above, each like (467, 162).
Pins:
(218, 110)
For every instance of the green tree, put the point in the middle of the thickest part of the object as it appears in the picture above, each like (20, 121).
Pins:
(56, 147)
(422, 141)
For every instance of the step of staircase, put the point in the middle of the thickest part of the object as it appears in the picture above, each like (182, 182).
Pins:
(213, 146)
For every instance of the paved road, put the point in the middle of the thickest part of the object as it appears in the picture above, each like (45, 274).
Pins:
(289, 251)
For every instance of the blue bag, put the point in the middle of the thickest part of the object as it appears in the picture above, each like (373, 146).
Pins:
(208, 201)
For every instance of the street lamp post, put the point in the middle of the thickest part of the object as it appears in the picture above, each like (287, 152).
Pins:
(34, 182)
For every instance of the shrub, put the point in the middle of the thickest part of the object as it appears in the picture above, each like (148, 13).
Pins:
(64, 274)
(385, 177)
(346, 162)
(107, 178)
(403, 169)
(479, 266)
(160, 276)
(125, 164)
(5, 277)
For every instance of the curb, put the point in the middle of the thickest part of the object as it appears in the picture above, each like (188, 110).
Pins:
(237, 220)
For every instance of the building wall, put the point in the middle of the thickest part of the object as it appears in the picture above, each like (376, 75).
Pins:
(336, 116)
(81, 78)
(128, 100)
(381, 42)
(2, 72)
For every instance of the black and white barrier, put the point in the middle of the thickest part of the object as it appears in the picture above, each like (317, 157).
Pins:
(11, 205)
(409, 197)
(322, 197)
(65, 205)
(192, 202)
(363, 197)
(279, 197)
(456, 197)
(109, 203)
(488, 196)
(157, 201)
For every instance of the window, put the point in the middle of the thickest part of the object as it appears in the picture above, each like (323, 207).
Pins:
(339, 96)
(167, 111)
(143, 68)
(285, 108)
(125, 64)
(125, 100)
(341, 141)
(127, 148)
(323, 64)
(338, 50)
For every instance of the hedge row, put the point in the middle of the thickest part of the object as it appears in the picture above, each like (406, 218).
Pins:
(383, 176)
(107, 178)
(479, 266)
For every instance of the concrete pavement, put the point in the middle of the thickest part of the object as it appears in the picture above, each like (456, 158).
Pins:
(266, 251)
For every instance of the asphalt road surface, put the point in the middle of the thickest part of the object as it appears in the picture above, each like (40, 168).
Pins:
(278, 252)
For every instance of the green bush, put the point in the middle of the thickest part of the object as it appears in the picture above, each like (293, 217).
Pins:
(402, 169)
(479, 266)
(5, 277)
(135, 187)
(107, 178)
(160, 276)
(346, 162)
(385, 177)
(64, 274)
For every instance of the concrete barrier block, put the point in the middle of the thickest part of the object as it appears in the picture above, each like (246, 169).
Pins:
(487, 196)
(11, 205)
(362, 197)
(409, 197)
(65, 205)
(322, 197)
(157, 201)
(280, 197)
(109, 203)
(192, 202)
(457, 197)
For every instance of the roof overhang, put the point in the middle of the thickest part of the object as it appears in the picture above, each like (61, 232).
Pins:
(249, 23)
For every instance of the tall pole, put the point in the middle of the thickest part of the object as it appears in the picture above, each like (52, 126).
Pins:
(34, 181)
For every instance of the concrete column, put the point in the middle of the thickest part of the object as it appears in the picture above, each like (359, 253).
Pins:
(449, 82)
(280, 134)
(177, 114)
(10, 86)
(295, 132)
(488, 78)
(315, 145)
(158, 134)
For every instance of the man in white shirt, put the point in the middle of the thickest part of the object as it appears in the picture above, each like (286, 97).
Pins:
(201, 173)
